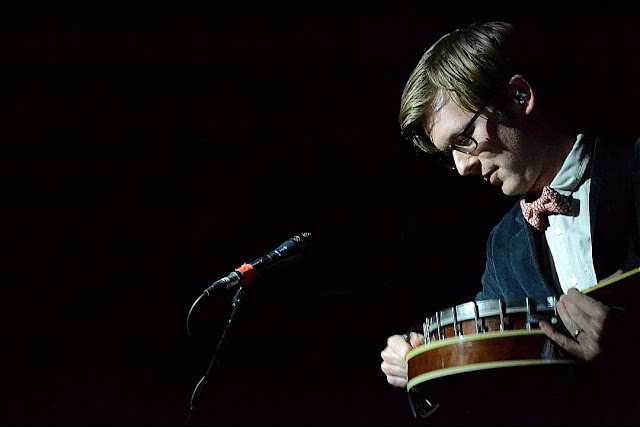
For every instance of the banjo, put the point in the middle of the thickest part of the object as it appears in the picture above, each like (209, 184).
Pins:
(472, 345)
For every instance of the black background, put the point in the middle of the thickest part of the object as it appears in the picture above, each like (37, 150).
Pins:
(152, 147)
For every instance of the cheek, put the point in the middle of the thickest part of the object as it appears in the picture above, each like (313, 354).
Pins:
(512, 147)
(508, 136)
(505, 145)
(499, 136)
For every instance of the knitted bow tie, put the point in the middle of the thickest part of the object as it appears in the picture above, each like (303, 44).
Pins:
(550, 201)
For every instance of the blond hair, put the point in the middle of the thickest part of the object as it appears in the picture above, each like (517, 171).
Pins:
(469, 66)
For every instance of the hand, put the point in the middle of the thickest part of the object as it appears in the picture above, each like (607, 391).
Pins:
(586, 319)
(394, 358)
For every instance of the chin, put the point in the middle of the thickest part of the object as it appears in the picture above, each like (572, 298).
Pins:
(510, 190)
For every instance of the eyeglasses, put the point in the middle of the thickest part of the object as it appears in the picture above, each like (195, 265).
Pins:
(463, 142)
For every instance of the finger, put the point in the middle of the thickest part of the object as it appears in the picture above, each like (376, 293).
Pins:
(398, 344)
(588, 305)
(562, 340)
(396, 375)
(586, 313)
(580, 322)
(390, 356)
(397, 381)
(565, 315)
(416, 339)
(573, 319)
(394, 370)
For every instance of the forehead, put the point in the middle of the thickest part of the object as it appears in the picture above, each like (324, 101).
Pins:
(446, 122)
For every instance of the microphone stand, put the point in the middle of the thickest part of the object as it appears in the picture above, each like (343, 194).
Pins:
(235, 304)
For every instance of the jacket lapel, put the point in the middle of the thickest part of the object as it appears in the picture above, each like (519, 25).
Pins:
(529, 256)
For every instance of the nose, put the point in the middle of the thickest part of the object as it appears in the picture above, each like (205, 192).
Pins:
(467, 164)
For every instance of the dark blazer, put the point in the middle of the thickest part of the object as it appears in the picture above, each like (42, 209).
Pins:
(516, 266)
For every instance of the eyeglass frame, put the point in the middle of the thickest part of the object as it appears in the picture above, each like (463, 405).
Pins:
(446, 155)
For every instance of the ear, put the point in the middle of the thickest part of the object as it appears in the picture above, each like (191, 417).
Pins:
(522, 93)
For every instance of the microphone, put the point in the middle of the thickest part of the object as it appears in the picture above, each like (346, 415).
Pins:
(287, 252)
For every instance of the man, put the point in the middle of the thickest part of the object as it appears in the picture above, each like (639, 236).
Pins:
(472, 102)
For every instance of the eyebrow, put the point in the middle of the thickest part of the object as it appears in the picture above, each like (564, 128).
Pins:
(450, 138)
(468, 126)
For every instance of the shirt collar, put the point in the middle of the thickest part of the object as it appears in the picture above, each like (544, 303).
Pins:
(574, 168)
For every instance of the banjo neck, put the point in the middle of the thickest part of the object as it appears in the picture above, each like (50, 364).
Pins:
(616, 291)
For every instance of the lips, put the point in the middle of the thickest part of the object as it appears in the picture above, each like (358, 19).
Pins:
(489, 175)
